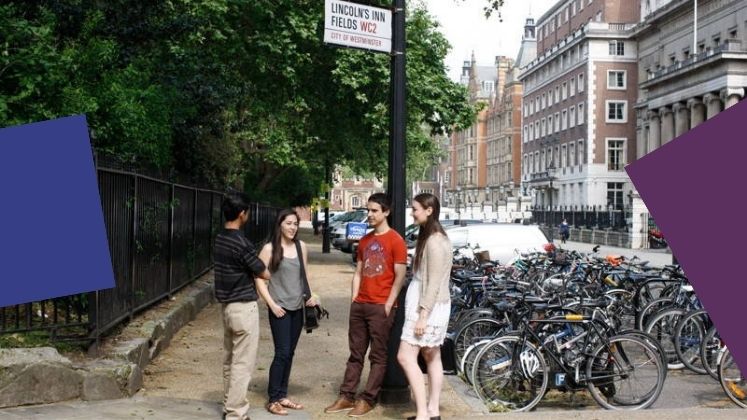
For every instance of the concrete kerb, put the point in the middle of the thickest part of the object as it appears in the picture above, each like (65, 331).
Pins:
(42, 375)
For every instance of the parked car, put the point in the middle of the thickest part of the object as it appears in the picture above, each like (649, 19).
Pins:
(339, 239)
(501, 240)
(342, 219)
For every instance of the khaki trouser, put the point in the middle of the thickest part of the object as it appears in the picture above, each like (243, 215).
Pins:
(240, 343)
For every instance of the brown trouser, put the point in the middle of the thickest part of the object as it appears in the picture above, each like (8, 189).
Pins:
(368, 324)
(240, 343)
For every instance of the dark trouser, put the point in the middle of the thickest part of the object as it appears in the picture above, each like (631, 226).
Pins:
(285, 334)
(368, 324)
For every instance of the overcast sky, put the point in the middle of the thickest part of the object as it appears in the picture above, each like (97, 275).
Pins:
(464, 25)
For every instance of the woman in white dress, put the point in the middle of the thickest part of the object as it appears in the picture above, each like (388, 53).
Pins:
(427, 307)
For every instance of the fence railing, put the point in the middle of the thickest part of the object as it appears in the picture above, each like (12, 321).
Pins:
(595, 218)
(160, 238)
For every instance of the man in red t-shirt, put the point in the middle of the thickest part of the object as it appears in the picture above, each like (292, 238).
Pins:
(382, 262)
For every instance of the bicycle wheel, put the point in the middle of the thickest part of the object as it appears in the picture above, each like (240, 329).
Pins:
(732, 380)
(662, 327)
(709, 351)
(648, 292)
(472, 332)
(625, 374)
(649, 310)
(468, 360)
(510, 373)
(652, 341)
(688, 337)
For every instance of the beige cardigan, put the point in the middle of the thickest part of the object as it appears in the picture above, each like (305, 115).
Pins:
(435, 271)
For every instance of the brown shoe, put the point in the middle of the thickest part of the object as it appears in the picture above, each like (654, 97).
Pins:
(341, 404)
(361, 408)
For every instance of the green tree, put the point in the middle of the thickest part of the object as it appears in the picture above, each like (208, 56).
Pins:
(229, 92)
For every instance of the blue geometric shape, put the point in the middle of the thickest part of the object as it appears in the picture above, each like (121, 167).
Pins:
(52, 234)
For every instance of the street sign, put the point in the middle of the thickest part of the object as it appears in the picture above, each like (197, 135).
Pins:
(355, 231)
(358, 26)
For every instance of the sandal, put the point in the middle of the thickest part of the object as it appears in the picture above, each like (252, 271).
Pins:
(285, 402)
(277, 408)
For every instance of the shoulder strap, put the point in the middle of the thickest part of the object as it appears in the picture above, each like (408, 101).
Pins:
(306, 288)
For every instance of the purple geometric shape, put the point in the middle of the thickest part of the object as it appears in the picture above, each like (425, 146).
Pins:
(696, 191)
(52, 233)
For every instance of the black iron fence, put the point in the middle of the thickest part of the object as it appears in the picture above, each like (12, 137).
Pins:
(590, 217)
(160, 238)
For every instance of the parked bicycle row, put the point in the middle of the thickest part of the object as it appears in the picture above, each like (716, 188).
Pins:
(568, 321)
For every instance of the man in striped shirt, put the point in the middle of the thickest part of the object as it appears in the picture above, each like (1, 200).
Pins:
(236, 265)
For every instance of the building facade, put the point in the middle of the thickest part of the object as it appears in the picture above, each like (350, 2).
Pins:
(349, 193)
(578, 119)
(689, 69)
(468, 151)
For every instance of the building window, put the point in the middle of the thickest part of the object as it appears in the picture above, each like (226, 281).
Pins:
(598, 17)
(563, 156)
(581, 114)
(543, 161)
(557, 94)
(572, 154)
(557, 122)
(526, 134)
(572, 87)
(565, 91)
(615, 194)
(543, 128)
(537, 129)
(581, 82)
(580, 152)
(572, 117)
(549, 98)
(355, 201)
(717, 40)
(573, 8)
(615, 154)
(616, 79)
(487, 86)
(617, 111)
(564, 120)
(617, 48)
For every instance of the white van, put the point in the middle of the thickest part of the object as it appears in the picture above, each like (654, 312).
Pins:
(501, 240)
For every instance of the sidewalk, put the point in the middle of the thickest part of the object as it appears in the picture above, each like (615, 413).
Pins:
(184, 382)
(655, 257)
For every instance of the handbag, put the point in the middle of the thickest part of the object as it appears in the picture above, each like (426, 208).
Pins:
(311, 315)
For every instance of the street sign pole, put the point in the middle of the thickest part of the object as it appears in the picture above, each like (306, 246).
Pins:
(395, 390)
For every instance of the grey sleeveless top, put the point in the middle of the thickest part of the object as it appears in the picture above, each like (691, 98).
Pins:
(286, 285)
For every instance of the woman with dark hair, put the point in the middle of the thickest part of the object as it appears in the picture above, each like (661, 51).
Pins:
(284, 295)
(427, 307)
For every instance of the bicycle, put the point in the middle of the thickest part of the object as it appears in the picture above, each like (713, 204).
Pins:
(512, 371)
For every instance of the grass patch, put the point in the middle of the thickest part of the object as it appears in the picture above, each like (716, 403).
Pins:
(33, 339)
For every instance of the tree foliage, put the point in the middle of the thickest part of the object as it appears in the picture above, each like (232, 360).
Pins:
(229, 92)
